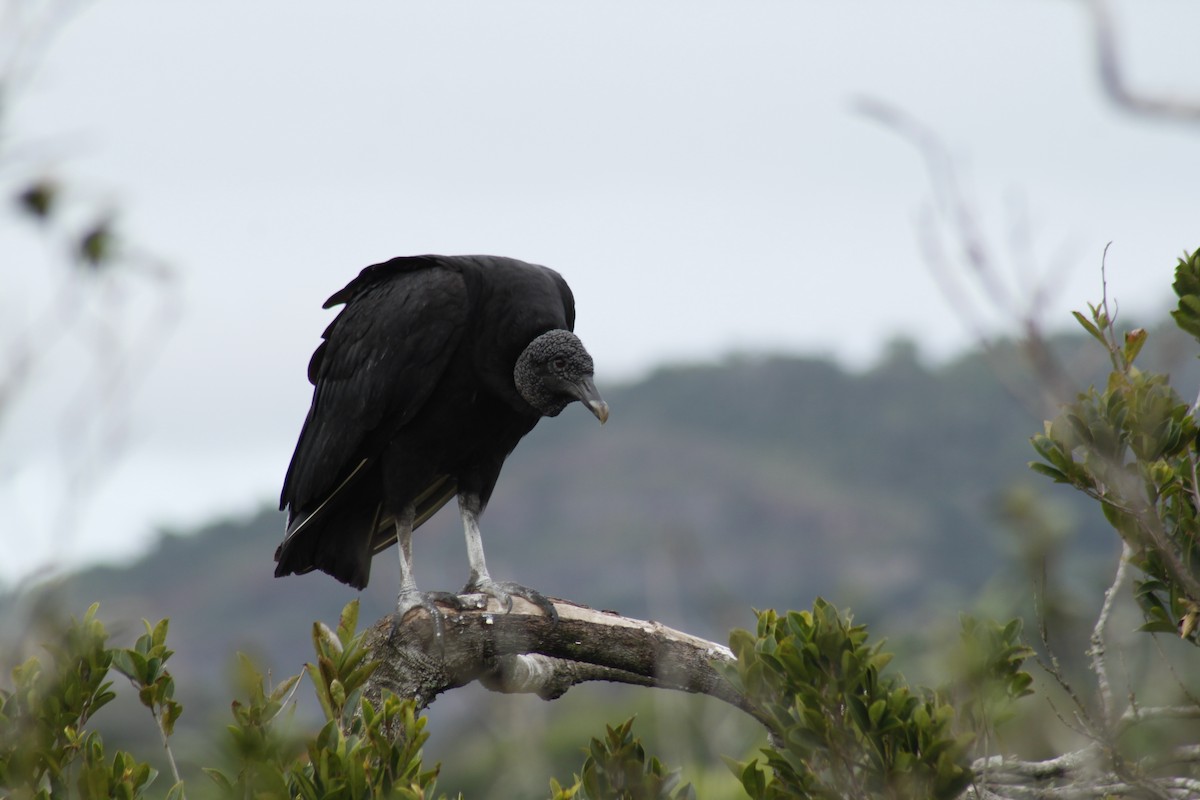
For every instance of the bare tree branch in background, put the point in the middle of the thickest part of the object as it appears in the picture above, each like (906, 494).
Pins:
(83, 315)
(1113, 74)
(967, 267)
(972, 276)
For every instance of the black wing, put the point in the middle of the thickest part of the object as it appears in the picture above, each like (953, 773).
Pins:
(382, 357)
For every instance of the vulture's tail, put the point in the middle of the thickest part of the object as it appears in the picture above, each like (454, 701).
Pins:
(335, 537)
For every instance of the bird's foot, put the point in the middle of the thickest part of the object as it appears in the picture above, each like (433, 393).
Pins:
(504, 591)
(414, 598)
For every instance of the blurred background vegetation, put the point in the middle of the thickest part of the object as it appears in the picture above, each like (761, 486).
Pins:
(901, 492)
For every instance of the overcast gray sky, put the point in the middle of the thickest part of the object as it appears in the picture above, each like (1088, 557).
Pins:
(695, 169)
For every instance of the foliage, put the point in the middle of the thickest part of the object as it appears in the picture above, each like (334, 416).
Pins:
(840, 727)
(989, 679)
(144, 666)
(260, 751)
(1132, 447)
(363, 750)
(617, 769)
(46, 749)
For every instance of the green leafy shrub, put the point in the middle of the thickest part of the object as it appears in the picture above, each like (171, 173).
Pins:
(840, 727)
(989, 677)
(617, 768)
(1132, 447)
(363, 750)
(46, 749)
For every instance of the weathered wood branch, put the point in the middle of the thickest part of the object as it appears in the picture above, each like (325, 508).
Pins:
(524, 651)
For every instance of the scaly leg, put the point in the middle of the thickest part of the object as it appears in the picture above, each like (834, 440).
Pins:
(480, 581)
(410, 596)
(404, 532)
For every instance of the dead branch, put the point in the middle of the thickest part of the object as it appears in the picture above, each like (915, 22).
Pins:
(524, 652)
(973, 267)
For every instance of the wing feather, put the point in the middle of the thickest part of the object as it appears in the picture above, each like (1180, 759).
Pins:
(380, 359)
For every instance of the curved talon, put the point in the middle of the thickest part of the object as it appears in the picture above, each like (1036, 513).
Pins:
(407, 601)
(503, 592)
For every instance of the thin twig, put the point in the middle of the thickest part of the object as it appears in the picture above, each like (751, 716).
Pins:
(162, 731)
(1112, 75)
(1053, 668)
(1097, 650)
(1171, 669)
(953, 210)
(1137, 716)
(286, 701)
(1195, 480)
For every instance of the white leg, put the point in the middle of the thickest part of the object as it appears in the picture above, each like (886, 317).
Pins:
(404, 531)
(481, 582)
(410, 597)
(470, 517)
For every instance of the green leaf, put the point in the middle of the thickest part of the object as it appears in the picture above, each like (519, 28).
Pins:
(127, 663)
(1089, 327)
(324, 640)
(1158, 626)
(875, 711)
(222, 782)
(348, 622)
(1133, 344)
(281, 691)
(1049, 471)
(314, 674)
(159, 634)
(753, 780)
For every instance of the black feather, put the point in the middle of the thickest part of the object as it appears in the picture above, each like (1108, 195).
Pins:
(414, 401)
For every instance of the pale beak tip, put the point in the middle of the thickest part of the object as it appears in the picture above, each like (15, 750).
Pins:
(600, 409)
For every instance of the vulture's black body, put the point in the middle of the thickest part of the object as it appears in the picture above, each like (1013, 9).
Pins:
(414, 401)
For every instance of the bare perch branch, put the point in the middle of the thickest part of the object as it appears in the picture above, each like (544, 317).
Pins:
(523, 651)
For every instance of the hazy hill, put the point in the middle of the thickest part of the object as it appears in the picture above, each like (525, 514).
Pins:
(757, 482)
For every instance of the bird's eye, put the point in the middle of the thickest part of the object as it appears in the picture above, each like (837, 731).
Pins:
(560, 363)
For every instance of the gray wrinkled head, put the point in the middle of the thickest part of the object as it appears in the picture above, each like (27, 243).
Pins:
(555, 370)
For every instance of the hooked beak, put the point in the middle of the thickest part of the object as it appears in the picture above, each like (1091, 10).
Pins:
(585, 392)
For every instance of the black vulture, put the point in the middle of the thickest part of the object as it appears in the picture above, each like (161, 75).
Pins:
(424, 383)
